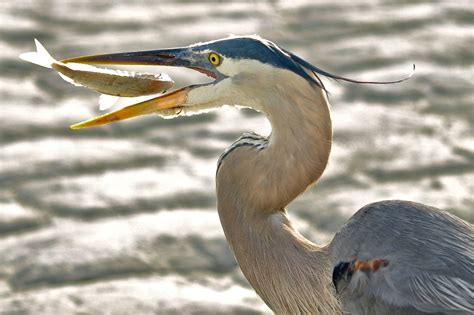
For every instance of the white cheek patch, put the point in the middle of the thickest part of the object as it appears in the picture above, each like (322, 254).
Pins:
(230, 67)
(209, 94)
(200, 100)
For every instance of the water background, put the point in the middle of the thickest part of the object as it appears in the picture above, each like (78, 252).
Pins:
(121, 219)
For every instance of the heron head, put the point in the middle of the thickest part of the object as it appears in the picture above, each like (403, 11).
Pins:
(235, 63)
(231, 62)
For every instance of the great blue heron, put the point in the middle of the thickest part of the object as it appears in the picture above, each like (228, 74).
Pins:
(391, 257)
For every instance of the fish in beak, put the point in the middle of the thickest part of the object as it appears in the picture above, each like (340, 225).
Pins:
(112, 84)
(173, 101)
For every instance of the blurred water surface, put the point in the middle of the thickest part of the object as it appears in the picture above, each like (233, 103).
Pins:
(121, 219)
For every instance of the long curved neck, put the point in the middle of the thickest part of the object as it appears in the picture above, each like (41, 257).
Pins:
(254, 186)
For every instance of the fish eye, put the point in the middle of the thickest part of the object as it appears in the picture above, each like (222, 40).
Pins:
(214, 59)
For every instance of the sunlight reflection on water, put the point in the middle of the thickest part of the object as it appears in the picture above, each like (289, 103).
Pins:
(147, 185)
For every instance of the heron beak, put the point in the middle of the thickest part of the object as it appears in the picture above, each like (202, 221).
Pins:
(169, 101)
(164, 57)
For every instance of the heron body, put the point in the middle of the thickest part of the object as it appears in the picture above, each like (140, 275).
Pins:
(391, 257)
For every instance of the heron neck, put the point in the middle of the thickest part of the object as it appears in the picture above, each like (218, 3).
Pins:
(298, 148)
(300, 142)
(289, 272)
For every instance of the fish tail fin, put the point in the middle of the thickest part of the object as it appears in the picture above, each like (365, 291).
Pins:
(40, 57)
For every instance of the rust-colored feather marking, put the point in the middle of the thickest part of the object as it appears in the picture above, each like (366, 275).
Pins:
(369, 265)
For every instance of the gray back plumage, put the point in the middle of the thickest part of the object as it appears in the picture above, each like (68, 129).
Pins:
(430, 255)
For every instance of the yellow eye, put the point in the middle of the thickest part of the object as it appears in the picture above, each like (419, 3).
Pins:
(214, 59)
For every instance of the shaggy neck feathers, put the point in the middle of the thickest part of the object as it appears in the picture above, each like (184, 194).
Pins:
(258, 177)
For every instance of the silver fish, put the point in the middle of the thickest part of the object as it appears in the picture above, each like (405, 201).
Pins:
(106, 81)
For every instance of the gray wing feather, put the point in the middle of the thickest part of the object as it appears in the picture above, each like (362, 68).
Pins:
(430, 254)
(440, 293)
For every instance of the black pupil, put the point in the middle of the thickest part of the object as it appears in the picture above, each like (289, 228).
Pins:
(213, 58)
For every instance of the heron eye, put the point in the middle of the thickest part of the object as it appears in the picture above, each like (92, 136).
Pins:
(214, 59)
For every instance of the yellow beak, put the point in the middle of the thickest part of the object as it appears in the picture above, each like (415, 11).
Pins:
(171, 100)
(164, 57)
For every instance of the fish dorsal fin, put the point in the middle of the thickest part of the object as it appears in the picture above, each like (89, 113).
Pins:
(107, 101)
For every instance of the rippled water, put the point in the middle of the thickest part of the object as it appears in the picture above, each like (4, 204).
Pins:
(121, 219)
